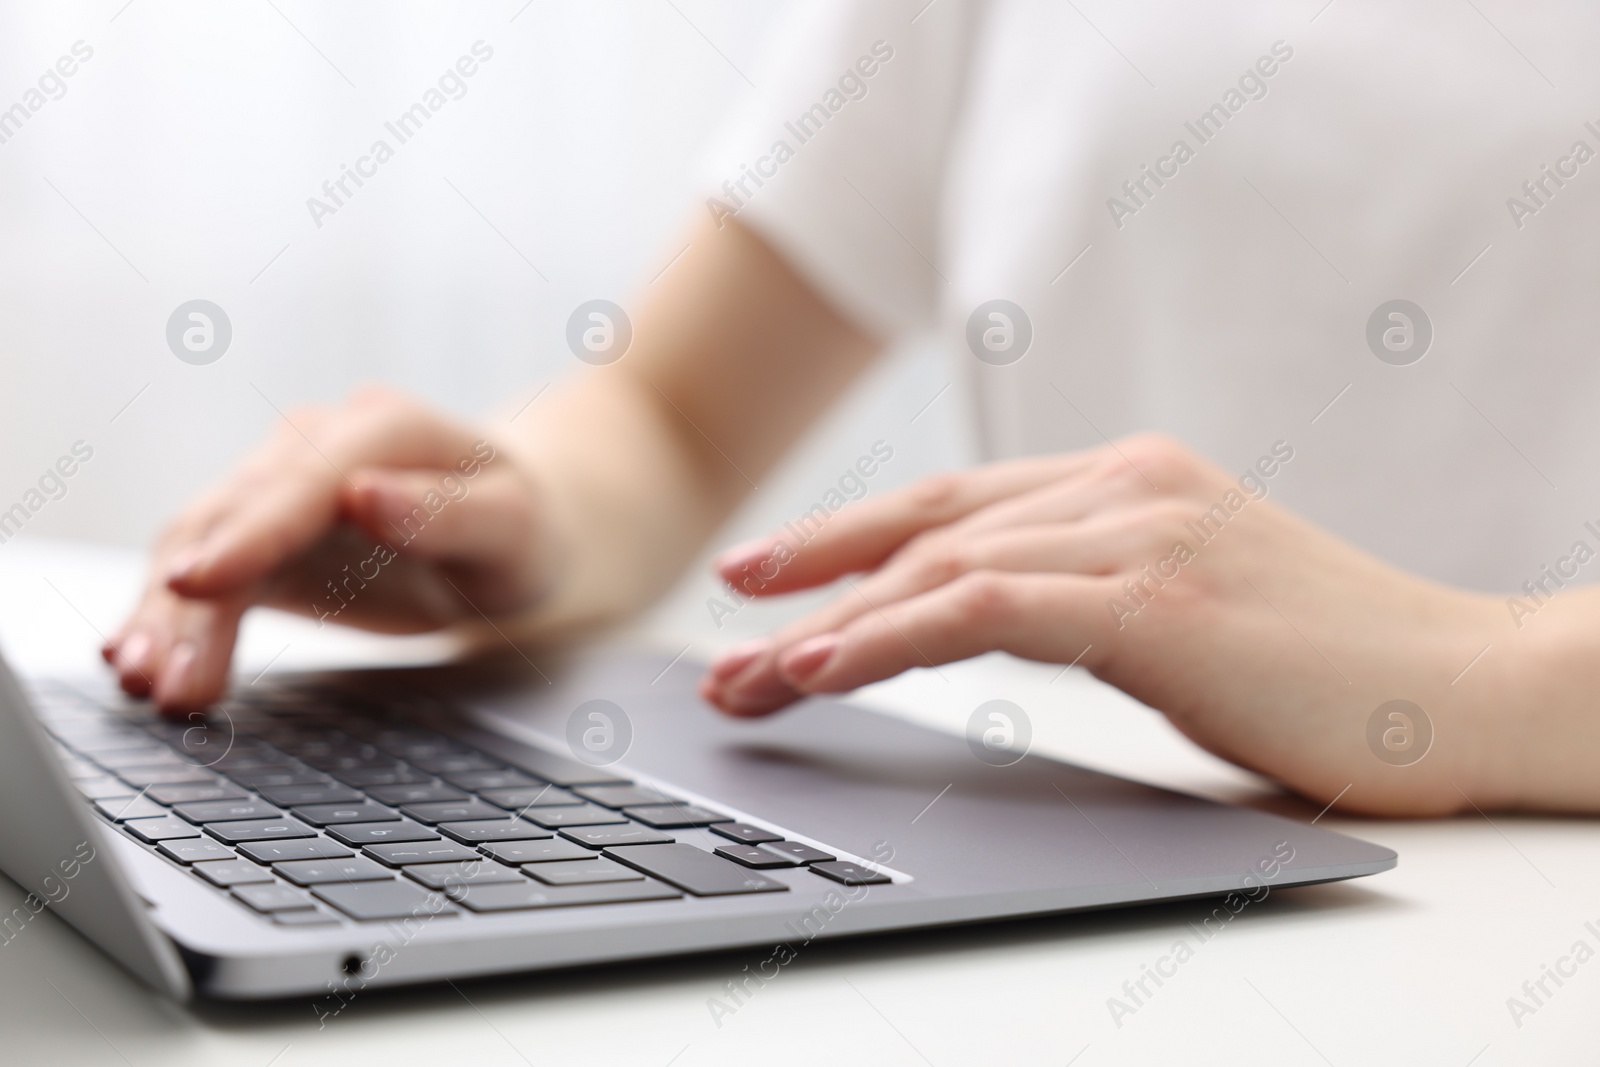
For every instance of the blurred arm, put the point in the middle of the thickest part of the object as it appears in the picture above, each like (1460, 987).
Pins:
(733, 356)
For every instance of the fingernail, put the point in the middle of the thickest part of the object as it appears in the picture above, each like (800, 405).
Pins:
(176, 673)
(743, 554)
(807, 658)
(132, 653)
(737, 658)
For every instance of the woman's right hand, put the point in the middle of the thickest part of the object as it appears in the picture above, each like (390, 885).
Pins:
(379, 513)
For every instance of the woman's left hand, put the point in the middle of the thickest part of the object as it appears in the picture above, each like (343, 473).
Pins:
(1263, 638)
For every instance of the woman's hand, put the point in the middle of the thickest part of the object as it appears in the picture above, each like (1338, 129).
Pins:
(585, 511)
(379, 514)
(1266, 640)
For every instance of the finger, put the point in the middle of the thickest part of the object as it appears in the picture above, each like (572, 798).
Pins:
(130, 652)
(177, 651)
(194, 671)
(272, 518)
(258, 534)
(1110, 487)
(1046, 617)
(818, 548)
(749, 683)
(1102, 546)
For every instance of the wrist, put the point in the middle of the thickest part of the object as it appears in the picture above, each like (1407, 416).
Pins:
(1541, 729)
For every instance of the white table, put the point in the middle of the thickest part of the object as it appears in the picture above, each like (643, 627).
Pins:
(1413, 966)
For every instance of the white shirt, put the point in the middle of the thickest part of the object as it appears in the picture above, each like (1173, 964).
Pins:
(1355, 155)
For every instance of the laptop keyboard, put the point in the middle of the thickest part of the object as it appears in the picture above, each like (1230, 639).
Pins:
(317, 808)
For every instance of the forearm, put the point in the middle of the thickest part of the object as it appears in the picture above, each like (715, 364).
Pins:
(1547, 724)
(627, 500)
(640, 461)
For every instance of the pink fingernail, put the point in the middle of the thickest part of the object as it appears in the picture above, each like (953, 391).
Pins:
(176, 673)
(807, 658)
(132, 653)
(737, 658)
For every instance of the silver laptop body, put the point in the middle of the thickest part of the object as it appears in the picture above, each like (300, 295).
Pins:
(920, 828)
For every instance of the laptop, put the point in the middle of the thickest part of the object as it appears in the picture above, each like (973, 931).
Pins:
(342, 831)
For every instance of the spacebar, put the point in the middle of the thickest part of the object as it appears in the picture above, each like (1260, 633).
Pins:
(693, 871)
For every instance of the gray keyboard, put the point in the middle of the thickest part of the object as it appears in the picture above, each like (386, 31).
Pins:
(315, 807)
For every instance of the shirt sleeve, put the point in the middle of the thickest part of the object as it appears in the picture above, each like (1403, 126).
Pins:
(838, 160)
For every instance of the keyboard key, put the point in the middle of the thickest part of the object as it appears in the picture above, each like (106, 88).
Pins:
(456, 763)
(227, 810)
(145, 756)
(405, 853)
(259, 830)
(848, 873)
(226, 873)
(366, 778)
(493, 898)
(293, 796)
(558, 770)
(744, 833)
(474, 781)
(327, 746)
(547, 796)
(82, 723)
(104, 742)
(799, 853)
(270, 898)
(396, 795)
(306, 917)
(623, 796)
(306, 848)
(373, 901)
(447, 876)
(251, 761)
(332, 814)
(501, 829)
(358, 834)
(425, 744)
(194, 850)
(453, 811)
(195, 792)
(103, 788)
(198, 742)
(583, 815)
(673, 816)
(606, 836)
(140, 777)
(120, 809)
(317, 872)
(751, 856)
(584, 872)
(693, 870)
(516, 853)
(270, 778)
(165, 828)
(365, 758)
(76, 767)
